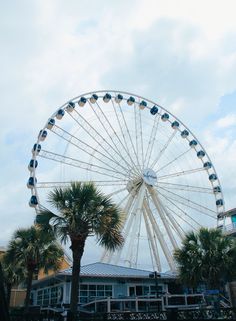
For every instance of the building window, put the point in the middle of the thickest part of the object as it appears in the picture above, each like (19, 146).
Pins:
(50, 296)
(89, 292)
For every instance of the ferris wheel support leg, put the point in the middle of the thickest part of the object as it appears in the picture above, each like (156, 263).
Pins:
(136, 213)
(160, 237)
(157, 203)
(153, 245)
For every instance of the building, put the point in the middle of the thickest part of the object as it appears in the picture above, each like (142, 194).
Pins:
(230, 222)
(18, 293)
(106, 288)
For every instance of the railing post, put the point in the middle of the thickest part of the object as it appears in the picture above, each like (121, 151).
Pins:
(185, 299)
(109, 304)
(136, 304)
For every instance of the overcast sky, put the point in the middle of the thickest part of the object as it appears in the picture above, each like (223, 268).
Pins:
(181, 54)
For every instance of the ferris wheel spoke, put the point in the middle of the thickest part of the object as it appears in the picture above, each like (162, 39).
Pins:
(141, 135)
(162, 151)
(64, 184)
(95, 133)
(187, 172)
(123, 134)
(160, 237)
(152, 139)
(94, 137)
(126, 129)
(87, 149)
(113, 131)
(151, 239)
(189, 203)
(185, 187)
(178, 229)
(161, 212)
(77, 163)
(117, 192)
(103, 124)
(174, 160)
(182, 211)
(199, 211)
(137, 133)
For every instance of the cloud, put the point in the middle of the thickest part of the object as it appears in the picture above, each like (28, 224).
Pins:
(227, 121)
(180, 54)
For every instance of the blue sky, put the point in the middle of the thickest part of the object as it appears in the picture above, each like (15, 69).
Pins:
(179, 53)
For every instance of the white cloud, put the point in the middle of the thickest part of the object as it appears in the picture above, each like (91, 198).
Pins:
(227, 121)
(179, 53)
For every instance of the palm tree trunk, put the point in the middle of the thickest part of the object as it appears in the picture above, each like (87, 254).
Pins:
(9, 287)
(77, 247)
(3, 303)
(29, 286)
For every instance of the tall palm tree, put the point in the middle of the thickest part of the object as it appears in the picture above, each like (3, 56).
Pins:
(33, 249)
(206, 257)
(82, 211)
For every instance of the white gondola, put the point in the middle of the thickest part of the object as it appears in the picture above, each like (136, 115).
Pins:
(213, 177)
(51, 123)
(184, 133)
(31, 182)
(60, 113)
(33, 201)
(130, 100)
(193, 143)
(175, 124)
(118, 98)
(36, 149)
(216, 190)
(219, 202)
(201, 154)
(142, 104)
(107, 98)
(32, 164)
(82, 101)
(93, 98)
(70, 107)
(42, 135)
(207, 165)
(154, 110)
(165, 117)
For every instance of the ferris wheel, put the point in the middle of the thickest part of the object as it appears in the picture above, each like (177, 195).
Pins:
(144, 158)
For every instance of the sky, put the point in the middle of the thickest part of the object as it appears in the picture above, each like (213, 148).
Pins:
(181, 54)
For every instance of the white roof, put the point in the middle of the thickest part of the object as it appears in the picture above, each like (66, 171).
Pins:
(109, 270)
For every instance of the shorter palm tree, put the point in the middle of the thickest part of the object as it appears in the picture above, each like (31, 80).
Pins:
(82, 211)
(32, 249)
(206, 257)
(13, 273)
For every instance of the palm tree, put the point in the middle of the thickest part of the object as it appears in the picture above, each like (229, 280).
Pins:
(82, 211)
(33, 249)
(206, 257)
(4, 313)
(14, 274)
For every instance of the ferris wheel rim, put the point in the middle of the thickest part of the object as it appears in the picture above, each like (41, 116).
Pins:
(34, 191)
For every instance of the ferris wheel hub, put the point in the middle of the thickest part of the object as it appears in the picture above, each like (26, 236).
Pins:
(149, 176)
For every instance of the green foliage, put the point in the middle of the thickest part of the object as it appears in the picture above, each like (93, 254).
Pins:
(29, 250)
(82, 211)
(206, 257)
